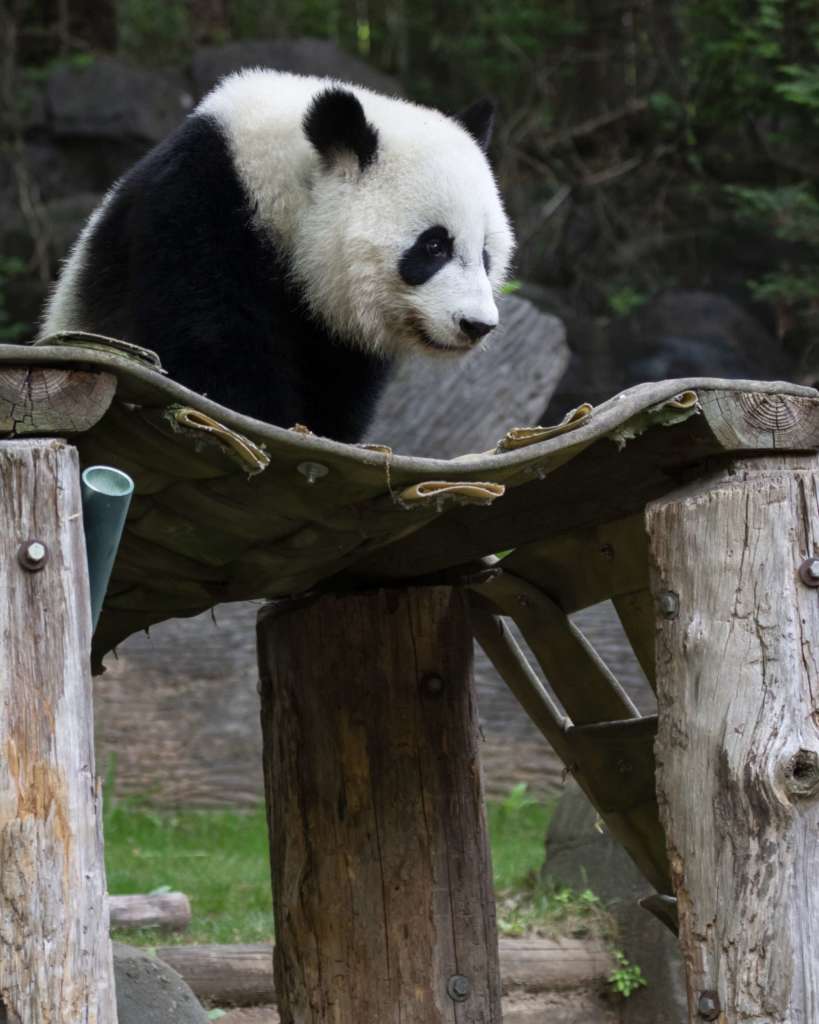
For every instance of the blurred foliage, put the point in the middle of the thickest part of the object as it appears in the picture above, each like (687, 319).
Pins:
(639, 145)
(10, 267)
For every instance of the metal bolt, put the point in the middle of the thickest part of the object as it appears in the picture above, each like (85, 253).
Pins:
(708, 1006)
(669, 603)
(32, 555)
(623, 766)
(433, 685)
(809, 572)
(458, 988)
(312, 471)
(607, 552)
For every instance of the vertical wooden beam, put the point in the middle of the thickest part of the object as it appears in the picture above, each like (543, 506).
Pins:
(381, 871)
(55, 954)
(738, 743)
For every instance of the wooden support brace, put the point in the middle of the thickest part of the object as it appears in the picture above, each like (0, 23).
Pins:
(738, 743)
(55, 954)
(382, 884)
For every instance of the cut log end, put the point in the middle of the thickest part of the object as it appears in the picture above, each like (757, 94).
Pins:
(40, 401)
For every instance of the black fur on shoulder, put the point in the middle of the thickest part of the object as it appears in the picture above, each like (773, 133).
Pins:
(479, 121)
(174, 264)
(335, 123)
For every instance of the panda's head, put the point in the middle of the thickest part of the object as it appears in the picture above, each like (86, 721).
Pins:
(402, 243)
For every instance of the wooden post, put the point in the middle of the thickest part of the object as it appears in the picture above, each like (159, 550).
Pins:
(382, 885)
(738, 744)
(55, 954)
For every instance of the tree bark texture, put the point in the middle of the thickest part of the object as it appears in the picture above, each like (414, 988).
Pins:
(381, 873)
(55, 954)
(738, 744)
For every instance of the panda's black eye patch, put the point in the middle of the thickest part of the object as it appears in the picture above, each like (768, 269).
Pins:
(430, 251)
(487, 263)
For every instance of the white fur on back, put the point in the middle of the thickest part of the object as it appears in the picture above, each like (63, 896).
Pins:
(62, 311)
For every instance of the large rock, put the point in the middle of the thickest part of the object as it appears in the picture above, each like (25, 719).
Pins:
(444, 407)
(302, 56)
(694, 333)
(579, 856)
(678, 333)
(149, 992)
(113, 101)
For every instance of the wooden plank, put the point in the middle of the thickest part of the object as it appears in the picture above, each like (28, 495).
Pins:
(613, 763)
(583, 684)
(637, 613)
(605, 482)
(582, 567)
(55, 954)
(47, 401)
(170, 911)
(738, 743)
(243, 975)
(371, 738)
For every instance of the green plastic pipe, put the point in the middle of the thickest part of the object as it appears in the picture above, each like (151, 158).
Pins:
(106, 495)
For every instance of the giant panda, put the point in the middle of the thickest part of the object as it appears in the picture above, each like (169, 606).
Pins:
(291, 240)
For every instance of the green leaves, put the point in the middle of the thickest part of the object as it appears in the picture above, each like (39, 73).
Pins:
(627, 977)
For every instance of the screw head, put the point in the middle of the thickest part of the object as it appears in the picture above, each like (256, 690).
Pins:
(669, 604)
(32, 555)
(809, 572)
(433, 685)
(312, 471)
(458, 988)
(708, 1006)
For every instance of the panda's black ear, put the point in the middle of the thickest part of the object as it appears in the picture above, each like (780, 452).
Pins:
(479, 120)
(335, 124)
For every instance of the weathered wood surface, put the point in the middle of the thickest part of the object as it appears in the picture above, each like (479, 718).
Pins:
(43, 400)
(613, 762)
(55, 954)
(243, 975)
(441, 408)
(170, 911)
(738, 743)
(610, 481)
(371, 738)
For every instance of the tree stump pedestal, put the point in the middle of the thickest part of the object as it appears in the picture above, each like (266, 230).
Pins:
(382, 883)
(55, 953)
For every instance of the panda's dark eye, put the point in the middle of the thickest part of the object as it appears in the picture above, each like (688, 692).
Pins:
(487, 263)
(429, 253)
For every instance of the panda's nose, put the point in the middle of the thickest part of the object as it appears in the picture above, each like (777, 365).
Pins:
(475, 329)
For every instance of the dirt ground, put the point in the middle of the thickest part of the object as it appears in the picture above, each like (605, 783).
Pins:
(548, 1008)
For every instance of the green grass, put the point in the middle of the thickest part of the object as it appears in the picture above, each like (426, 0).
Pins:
(219, 859)
(526, 901)
(517, 830)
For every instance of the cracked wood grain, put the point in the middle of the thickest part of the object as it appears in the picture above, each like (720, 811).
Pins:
(48, 401)
(738, 743)
(381, 872)
(55, 954)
